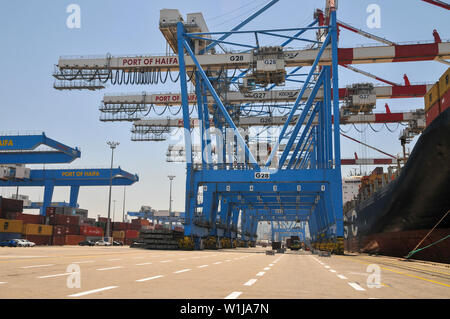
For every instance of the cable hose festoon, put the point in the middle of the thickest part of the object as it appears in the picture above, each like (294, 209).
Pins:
(370, 125)
(176, 113)
(159, 114)
(148, 112)
(392, 131)
(342, 131)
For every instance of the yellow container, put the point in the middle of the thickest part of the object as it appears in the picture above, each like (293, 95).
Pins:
(119, 234)
(10, 226)
(37, 229)
(444, 83)
(432, 96)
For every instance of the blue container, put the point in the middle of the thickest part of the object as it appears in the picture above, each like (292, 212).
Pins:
(9, 236)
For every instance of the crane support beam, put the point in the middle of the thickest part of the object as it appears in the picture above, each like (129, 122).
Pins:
(280, 120)
(49, 178)
(235, 97)
(438, 3)
(21, 149)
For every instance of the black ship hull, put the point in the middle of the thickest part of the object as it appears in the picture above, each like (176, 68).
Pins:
(397, 217)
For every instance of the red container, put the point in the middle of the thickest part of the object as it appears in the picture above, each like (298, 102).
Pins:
(91, 231)
(60, 230)
(142, 222)
(445, 101)
(50, 210)
(130, 234)
(74, 239)
(103, 219)
(433, 112)
(119, 226)
(59, 240)
(73, 229)
(31, 219)
(39, 239)
(135, 227)
(67, 220)
(11, 205)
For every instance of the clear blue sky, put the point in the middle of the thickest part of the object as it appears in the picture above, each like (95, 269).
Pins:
(34, 35)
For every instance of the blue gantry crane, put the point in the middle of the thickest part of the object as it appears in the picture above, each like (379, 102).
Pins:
(307, 177)
(22, 149)
(228, 192)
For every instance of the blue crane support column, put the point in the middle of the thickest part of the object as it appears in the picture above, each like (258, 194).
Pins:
(74, 191)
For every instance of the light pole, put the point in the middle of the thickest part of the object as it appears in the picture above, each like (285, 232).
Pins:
(114, 210)
(123, 211)
(112, 145)
(171, 177)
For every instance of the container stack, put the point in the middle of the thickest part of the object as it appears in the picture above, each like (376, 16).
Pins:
(38, 233)
(66, 226)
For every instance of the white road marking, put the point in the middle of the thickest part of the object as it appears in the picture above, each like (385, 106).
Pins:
(332, 270)
(327, 267)
(233, 295)
(83, 262)
(22, 256)
(356, 286)
(166, 261)
(267, 268)
(202, 266)
(149, 278)
(270, 265)
(91, 291)
(114, 259)
(37, 266)
(216, 263)
(183, 270)
(261, 273)
(250, 282)
(227, 260)
(3, 282)
(109, 268)
(57, 275)
(342, 277)
(143, 264)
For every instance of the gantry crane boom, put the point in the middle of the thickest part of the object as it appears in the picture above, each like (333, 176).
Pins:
(292, 58)
(236, 97)
(417, 115)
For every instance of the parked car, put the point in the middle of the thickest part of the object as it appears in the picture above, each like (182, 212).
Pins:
(20, 243)
(102, 243)
(28, 243)
(87, 243)
(117, 243)
(8, 243)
